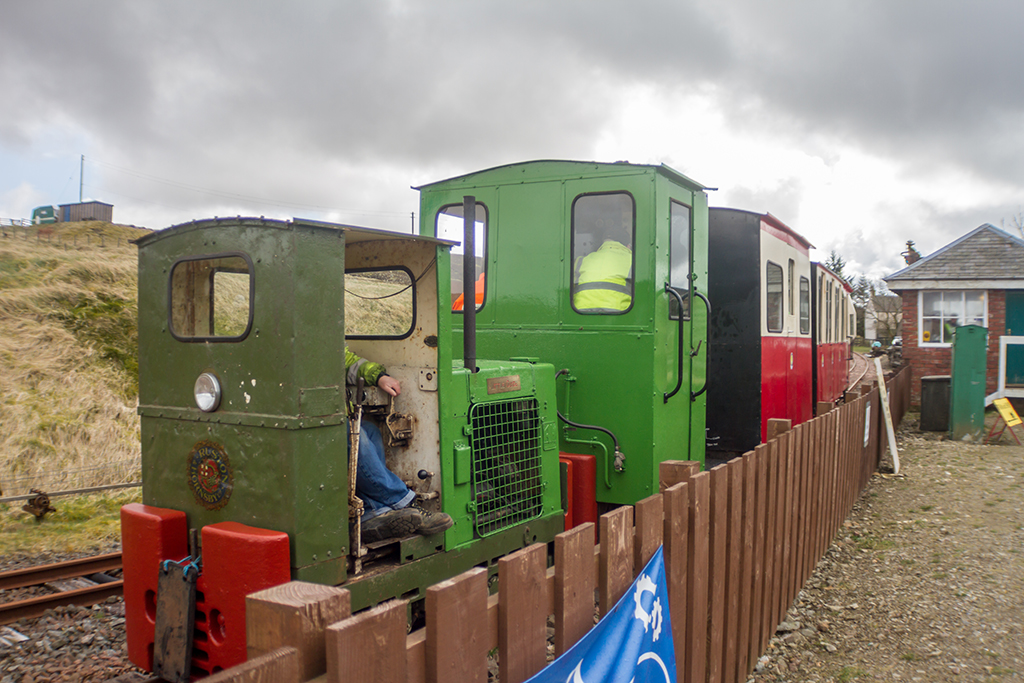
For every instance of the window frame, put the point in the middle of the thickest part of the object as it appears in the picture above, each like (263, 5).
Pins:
(921, 317)
(211, 257)
(686, 295)
(412, 286)
(781, 294)
(483, 255)
(805, 297)
(573, 257)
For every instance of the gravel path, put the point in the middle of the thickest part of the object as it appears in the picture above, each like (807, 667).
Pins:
(925, 582)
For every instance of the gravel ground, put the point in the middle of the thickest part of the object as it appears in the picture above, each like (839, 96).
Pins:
(924, 582)
(68, 643)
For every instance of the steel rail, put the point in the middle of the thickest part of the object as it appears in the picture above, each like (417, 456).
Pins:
(857, 381)
(58, 571)
(36, 607)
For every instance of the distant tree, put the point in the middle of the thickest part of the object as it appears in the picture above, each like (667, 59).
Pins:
(836, 264)
(887, 312)
(1018, 221)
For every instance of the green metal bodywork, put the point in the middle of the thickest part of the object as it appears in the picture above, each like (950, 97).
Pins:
(619, 366)
(281, 427)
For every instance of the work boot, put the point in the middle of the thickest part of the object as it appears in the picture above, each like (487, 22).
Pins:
(433, 522)
(392, 524)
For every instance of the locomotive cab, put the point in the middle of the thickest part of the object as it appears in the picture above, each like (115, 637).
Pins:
(600, 269)
(244, 404)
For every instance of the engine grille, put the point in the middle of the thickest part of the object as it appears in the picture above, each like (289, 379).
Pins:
(506, 464)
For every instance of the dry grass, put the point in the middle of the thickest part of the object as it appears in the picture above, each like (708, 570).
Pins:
(377, 305)
(69, 353)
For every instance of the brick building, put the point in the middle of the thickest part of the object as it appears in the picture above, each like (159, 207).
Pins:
(975, 280)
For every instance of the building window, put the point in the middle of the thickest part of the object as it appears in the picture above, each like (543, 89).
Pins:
(944, 311)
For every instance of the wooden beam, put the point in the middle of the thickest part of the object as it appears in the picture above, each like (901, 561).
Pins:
(295, 614)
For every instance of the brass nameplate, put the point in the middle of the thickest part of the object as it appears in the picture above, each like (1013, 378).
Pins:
(501, 385)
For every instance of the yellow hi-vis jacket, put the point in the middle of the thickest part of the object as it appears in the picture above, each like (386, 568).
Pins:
(603, 284)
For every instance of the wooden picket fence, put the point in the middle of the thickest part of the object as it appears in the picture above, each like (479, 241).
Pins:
(739, 542)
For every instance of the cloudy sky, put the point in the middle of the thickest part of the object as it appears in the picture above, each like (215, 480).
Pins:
(860, 123)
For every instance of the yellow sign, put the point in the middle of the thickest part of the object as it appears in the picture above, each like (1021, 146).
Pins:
(1006, 410)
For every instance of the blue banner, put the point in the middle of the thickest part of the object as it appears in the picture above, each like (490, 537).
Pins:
(633, 642)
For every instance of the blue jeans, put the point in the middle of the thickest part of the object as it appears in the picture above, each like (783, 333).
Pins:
(380, 489)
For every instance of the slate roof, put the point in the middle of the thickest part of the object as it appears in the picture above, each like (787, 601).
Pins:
(985, 253)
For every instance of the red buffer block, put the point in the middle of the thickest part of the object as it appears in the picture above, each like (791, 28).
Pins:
(237, 560)
(570, 474)
(149, 535)
(582, 488)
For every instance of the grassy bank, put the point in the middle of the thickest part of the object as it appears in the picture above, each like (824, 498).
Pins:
(69, 353)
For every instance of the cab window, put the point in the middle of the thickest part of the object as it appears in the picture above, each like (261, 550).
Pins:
(680, 241)
(211, 298)
(379, 303)
(450, 226)
(602, 253)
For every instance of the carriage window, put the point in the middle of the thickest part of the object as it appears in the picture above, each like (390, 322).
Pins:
(602, 253)
(379, 304)
(805, 305)
(791, 282)
(828, 312)
(450, 226)
(679, 259)
(211, 298)
(774, 300)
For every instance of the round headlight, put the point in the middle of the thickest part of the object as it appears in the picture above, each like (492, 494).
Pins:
(207, 392)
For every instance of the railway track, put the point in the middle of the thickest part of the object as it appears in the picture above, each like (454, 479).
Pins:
(91, 571)
(858, 369)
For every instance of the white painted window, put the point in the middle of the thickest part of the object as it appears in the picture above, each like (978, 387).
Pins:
(941, 312)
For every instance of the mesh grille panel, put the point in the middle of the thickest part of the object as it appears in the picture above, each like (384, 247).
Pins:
(506, 464)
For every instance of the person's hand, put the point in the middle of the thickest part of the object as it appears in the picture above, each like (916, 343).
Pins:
(389, 385)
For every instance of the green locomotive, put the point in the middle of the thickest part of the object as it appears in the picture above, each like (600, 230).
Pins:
(245, 427)
(630, 363)
(589, 381)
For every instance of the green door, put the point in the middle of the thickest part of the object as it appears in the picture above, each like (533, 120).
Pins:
(1015, 327)
(967, 388)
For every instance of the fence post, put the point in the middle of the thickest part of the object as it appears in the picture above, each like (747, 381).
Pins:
(574, 585)
(278, 665)
(777, 426)
(457, 633)
(672, 472)
(523, 613)
(369, 647)
(676, 501)
(733, 565)
(697, 577)
(649, 518)
(615, 563)
(295, 614)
